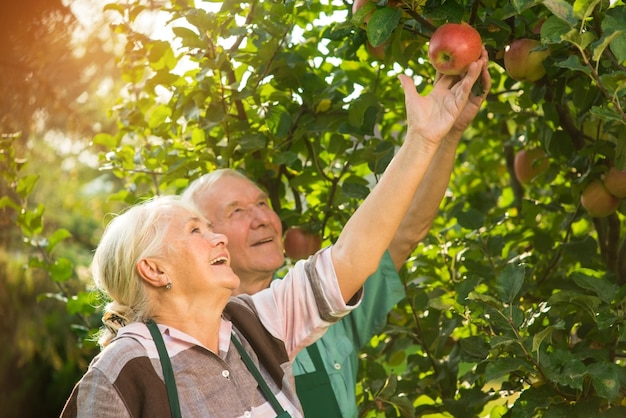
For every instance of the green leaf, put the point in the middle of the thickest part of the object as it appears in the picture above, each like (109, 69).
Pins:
(509, 282)
(589, 280)
(521, 5)
(381, 24)
(58, 236)
(576, 301)
(31, 221)
(6, 201)
(26, 184)
(355, 190)
(563, 10)
(480, 297)
(474, 348)
(61, 270)
(604, 42)
(471, 219)
(501, 367)
(606, 114)
(581, 40)
(106, 140)
(615, 83)
(613, 22)
(189, 38)
(158, 115)
(252, 142)
(574, 63)
(359, 107)
(553, 30)
(383, 155)
(359, 17)
(542, 335)
(285, 158)
(82, 303)
(584, 8)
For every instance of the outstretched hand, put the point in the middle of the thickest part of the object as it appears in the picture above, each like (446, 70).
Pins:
(472, 106)
(450, 106)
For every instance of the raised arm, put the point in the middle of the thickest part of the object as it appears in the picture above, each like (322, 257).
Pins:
(371, 229)
(426, 200)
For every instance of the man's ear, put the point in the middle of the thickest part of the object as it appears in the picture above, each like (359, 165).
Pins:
(151, 272)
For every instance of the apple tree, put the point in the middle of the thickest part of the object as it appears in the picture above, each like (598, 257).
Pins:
(515, 302)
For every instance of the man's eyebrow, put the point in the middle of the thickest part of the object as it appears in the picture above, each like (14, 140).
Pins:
(235, 203)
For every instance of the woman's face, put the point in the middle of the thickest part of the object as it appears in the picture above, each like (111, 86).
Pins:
(196, 259)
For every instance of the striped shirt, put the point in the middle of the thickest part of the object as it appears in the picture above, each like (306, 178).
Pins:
(126, 379)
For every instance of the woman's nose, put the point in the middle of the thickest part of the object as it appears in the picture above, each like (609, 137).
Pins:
(219, 239)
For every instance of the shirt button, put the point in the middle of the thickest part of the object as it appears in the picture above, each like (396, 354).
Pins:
(225, 373)
(337, 366)
(247, 414)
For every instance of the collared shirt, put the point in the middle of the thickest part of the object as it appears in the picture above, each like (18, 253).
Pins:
(340, 345)
(126, 378)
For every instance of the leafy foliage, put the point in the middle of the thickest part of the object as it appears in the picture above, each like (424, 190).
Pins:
(515, 301)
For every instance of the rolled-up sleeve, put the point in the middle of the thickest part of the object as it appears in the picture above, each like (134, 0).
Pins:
(299, 308)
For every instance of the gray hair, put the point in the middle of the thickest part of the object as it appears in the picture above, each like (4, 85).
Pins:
(135, 234)
(205, 182)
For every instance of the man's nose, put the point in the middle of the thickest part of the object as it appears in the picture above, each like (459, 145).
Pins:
(259, 215)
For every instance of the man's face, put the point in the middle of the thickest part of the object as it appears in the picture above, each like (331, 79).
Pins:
(238, 209)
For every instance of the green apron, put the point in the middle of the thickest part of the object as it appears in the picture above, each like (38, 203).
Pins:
(170, 381)
(315, 391)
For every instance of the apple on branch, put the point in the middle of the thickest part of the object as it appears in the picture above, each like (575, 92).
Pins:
(453, 47)
(597, 200)
(615, 182)
(300, 243)
(523, 59)
(528, 164)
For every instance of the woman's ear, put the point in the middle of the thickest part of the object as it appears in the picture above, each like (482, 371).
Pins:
(151, 272)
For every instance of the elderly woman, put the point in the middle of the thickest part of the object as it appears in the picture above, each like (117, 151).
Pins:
(185, 346)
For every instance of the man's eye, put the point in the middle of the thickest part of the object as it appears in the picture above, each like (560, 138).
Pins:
(195, 230)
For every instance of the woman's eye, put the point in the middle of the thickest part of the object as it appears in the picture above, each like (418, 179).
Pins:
(195, 230)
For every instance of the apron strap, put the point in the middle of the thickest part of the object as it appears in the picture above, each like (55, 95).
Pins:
(257, 375)
(316, 358)
(168, 372)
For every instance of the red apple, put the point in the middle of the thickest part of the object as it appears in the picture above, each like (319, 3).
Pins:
(376, 52)
(522, 62)
(597, 200)
(453, 47)
(300, 243)
(528, 164)
(615, 182)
